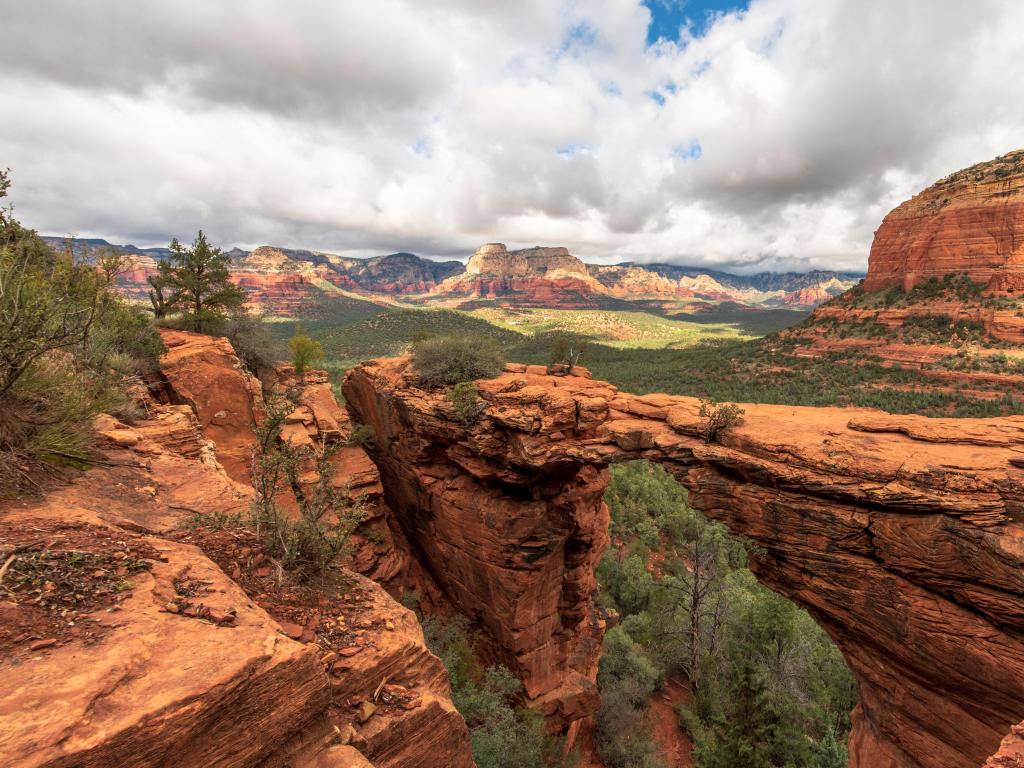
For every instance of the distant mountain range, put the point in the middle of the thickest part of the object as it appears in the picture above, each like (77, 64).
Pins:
(284, 280)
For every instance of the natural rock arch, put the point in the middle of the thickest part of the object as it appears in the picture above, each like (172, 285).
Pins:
(901, 535)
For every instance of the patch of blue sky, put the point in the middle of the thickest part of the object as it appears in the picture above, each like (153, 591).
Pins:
(572, 149)
(579, 36)
(669, 16)
(423, 147)
(690, 151)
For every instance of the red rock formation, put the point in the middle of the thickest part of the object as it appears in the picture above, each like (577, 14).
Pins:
(901, 535)
(972, 221)
(223, 684)
(1011, 751)
(204, 373)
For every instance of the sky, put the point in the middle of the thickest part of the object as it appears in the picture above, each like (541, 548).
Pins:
(770, 135)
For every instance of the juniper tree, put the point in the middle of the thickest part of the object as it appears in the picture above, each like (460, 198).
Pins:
(199, 284)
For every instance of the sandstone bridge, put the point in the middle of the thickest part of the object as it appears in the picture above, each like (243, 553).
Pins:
(901, 535)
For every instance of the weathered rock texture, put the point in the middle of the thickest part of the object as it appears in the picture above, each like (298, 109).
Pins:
(204, 373)
(1011, 750)
(224, 686)
(971, 221)
(903, 536)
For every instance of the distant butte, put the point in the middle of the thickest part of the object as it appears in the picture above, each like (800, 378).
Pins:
(970, 222)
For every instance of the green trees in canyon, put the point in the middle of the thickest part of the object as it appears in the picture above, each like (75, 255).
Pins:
(768, 688)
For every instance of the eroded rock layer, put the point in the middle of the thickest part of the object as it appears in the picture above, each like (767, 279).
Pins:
(902, 535)
(970, 222)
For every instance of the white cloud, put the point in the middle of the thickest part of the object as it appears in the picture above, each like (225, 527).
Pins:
(779, 138)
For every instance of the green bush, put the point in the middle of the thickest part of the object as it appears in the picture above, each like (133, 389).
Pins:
(502, 732)
(319, 536)
(252, 341)
(363, 436)
(718, 418)
(465, 400)
(67, 343)
(305, 352)
(448, 360)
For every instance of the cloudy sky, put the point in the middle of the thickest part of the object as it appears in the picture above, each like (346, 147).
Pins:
(774, 134)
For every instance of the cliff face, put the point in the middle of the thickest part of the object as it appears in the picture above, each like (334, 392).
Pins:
(972, 221)
(159, 641)
(901, 535)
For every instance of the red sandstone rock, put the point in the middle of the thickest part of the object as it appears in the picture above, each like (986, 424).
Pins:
(204, 373)
(216, 683)
(1011, 751)
(901, 535)
(972, 221)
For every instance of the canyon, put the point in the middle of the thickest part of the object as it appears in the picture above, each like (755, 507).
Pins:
(902, 536)
(166, 637)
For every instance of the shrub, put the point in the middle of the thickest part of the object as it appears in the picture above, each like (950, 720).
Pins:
(717, 418)
(328, 515)
(465, 400)
(363, 435)
(251, 338)
(448, 360)
(66, 343)
(568, 350)
(305, 352)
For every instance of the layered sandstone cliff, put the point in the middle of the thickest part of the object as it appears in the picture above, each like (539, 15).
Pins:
(901, 535)
(134, 634)
(970, 222)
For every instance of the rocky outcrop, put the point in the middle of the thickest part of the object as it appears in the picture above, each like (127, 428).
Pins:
(541, 277)
(969, 222)
(1011, 750)
(203, 373)
(901, 535)
(180, 664)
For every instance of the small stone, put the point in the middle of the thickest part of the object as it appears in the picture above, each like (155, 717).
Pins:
(366, 710)
(346, 734)
(350, 650)
(263, 572)
(40, 645)
(172, 608)
(389, 625)
(294, 631)
(328, 658)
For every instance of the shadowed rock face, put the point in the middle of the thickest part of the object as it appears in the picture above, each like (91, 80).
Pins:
(972, 221)
(901, 535)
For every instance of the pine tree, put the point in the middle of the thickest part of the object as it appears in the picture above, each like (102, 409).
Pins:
(200, 286)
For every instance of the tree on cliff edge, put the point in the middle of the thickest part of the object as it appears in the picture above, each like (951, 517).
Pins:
(199, 284)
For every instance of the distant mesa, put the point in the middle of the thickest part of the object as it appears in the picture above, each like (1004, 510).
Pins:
(970, 222)
(284, 280)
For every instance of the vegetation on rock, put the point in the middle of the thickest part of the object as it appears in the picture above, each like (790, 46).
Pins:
(503, 733)
(305, 352)
(314, 540)
(447, 360)
(67, 345)
(769, 688)
(465, 400)
(199, 284)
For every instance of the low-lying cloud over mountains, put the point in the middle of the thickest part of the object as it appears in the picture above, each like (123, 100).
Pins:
(777, 139)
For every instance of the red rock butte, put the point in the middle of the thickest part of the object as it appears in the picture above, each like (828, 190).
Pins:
(901, 535)
(970, 222)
